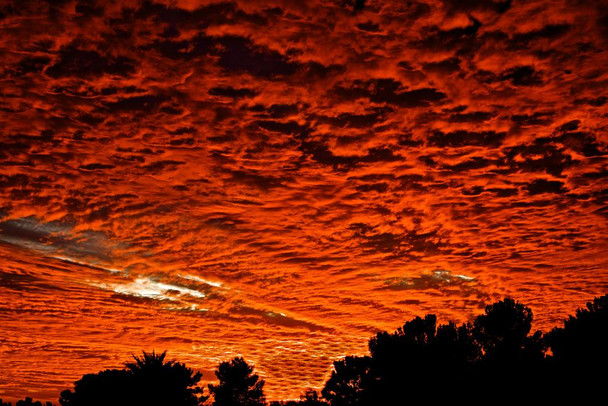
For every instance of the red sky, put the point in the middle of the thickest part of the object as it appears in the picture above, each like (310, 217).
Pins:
(280, 180)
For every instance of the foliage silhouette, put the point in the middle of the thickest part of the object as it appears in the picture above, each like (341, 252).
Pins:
(29, 402)
(26, 402)
(420, 357)
(238, 385)
(150, 381)
(579, 361)
(492, 359)
(350, 382)
(503, 329)
(583, 339)
(308, 398)
(179, 383)
(417, 355)
(512, 359)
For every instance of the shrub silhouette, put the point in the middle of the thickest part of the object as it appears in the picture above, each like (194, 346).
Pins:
(29, 402)
(308, 398)
(238, 385)
(26, 402)
(150, 381)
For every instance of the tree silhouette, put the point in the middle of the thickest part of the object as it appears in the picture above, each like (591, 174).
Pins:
(308, 398)
(583, 339)
(406, 365)
(111, 386)
(503, 329)
(150, 381)
(238, 385)
(493, 359)
(350, 382)
(178, 383)
(311, 398)
(580, 352)
(26, 402)
(513, 360)
(29, 402)
(495, 351)
(411, 362)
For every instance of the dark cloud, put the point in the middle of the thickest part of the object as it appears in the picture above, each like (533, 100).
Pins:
(594, 101)
(31, 64)
(538, 157)
(229, 91)
(26, 229)
(163, 165)
(187, 49)
(582, 142)
(23, 282)
(369, 26)
(445, 67)
(449, 40)
(321, 153)
(596, 175)
(540, 186)
(522, 76)
(290, 127)
(471, 117)
(83, 63)
(276, 319)
(96, 166)
(410, 244)
(257, 180)
(535, 119)
(389, 91)
(198, 18)
(548, 32)
(473, 191)
(374, 187)
(241, 55)
(276, 110)
(53, 238)
(463, 138)
(142, 103)
(504, 192)
(498, 6)
(354, 120)
(436, 280)
(470, 164)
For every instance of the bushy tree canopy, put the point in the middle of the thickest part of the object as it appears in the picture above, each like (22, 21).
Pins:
(151, 381)
(409, 365)
(238, 385)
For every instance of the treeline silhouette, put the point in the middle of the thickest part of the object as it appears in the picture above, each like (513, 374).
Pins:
(495, 359)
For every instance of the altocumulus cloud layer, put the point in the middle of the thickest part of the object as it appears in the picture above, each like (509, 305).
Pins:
(281, 179)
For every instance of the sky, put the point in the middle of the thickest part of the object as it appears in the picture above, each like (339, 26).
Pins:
(279, 180)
